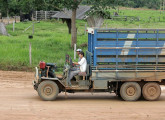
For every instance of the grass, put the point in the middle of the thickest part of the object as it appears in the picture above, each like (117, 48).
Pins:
(51, 40)
(143, 14)
(50, 43)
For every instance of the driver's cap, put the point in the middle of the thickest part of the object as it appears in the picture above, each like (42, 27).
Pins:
(78, 50)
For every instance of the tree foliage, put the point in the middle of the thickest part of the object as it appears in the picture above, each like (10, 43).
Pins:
(151, 4)
(15, 6)
(100, 7)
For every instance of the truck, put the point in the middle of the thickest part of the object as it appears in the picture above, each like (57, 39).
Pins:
(127, 62)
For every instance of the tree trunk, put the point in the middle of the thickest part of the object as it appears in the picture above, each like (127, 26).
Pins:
(74, 31)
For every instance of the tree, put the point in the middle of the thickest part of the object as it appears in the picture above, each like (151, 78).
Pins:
(73, 23)
(13, 7)
(98, 7)
(5, 7)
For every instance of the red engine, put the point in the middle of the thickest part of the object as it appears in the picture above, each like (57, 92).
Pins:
(42, 65)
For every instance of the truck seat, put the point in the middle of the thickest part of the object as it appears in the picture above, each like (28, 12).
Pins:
(85, 74)
(82, 74)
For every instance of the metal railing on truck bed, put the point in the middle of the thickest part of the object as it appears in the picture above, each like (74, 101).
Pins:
(127, 49)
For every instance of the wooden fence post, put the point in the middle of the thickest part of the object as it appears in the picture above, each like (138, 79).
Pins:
(8, 20)
(15, 18)
(13, 26)
(30, 54)
(33, 16)
(45, 15)
(36, 15)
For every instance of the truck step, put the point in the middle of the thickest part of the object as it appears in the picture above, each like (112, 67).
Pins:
(76, 87)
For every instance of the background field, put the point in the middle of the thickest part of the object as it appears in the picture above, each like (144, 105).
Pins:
(50, 43)
(51, 39)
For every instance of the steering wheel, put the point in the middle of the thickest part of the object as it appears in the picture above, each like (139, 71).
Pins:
(69, 61)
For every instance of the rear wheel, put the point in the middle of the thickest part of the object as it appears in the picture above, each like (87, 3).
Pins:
(48, 90)
(130, 91)
(151, 91)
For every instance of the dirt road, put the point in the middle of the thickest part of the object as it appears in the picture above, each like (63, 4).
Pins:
(19, 101)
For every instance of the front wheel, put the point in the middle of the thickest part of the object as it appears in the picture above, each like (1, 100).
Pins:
(48, 90)
(130, 91)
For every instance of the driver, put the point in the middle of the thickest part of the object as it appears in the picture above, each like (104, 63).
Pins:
(83, 66)
(77, 67)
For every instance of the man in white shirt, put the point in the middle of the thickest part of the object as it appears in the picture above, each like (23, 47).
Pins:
(83, 67)
(77, 67)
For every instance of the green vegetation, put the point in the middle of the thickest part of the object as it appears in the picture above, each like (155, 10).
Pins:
(13, 7)
(50, 43)
(51, 39)
(147, 18)
(154, 4)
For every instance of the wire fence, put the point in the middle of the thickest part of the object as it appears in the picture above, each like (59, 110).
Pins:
(135, 18)
(43, 15)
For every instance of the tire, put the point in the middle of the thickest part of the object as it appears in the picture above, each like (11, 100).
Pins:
(130, 91)
(151, 91)
(48, 90)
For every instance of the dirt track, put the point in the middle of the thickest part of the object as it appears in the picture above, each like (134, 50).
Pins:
(19, 101)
